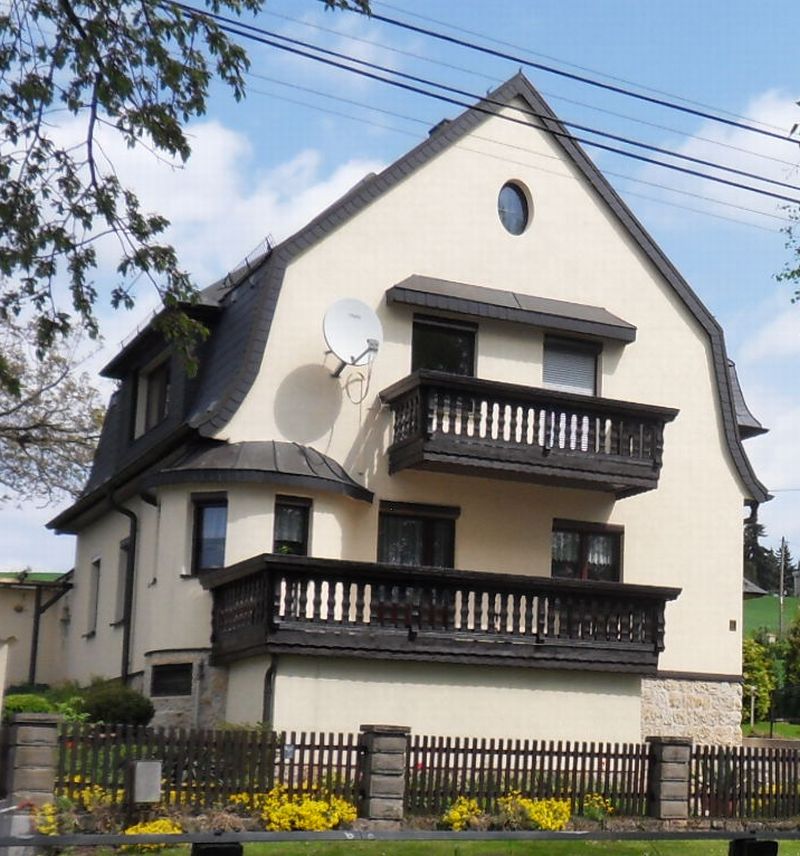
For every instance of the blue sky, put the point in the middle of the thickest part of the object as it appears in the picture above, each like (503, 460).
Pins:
(265, 166)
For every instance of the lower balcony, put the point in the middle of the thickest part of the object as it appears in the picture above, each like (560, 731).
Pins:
(326, 607)
(487, 428)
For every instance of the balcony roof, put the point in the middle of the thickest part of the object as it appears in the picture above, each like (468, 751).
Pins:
(477, 301)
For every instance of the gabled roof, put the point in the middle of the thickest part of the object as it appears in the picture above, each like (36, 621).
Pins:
(251, 306)
(234, 352)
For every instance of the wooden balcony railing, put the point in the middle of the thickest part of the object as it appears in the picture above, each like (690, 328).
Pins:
(324, 606)
(472, 426)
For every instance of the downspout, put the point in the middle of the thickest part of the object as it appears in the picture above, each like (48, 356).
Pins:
(37, 618)
(130, 569)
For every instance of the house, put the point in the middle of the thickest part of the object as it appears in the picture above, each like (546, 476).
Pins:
(522, 517)
(32, 626)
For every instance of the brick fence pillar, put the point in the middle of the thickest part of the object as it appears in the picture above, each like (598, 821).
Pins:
(383, 774)
(668, 778)
(32, 757)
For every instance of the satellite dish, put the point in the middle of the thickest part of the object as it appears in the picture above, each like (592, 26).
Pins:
(352, 332)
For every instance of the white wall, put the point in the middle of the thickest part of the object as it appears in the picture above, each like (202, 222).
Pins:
(452, 700)
(442, 222)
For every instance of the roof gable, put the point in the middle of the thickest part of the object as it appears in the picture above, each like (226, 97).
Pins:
(251, 305)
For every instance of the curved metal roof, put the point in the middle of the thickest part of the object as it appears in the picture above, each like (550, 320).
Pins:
(260, 461)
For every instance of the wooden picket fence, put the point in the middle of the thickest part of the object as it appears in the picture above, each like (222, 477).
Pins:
(443, 768)
(744, 782)
(203, 768)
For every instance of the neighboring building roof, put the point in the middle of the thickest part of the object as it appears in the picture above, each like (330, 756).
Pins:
(750, 589)
(478, 301)
(234, 352)
(31, 579)
(260, 461)
(749, 426)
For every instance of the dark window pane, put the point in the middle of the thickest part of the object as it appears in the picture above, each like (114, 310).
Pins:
(512, 207)
(401, 540)
(171, 679)
(291, 529)
(442, 348)
(157, 392)
(211, 524)
(405, 539)
(566, 555)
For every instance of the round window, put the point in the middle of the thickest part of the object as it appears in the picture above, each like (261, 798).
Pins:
(512, 207)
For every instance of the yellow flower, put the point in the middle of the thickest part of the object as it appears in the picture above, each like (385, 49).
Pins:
(160, 826)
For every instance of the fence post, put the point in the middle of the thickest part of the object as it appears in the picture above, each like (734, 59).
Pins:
(32, 758)
(383, 774)
(668, 777)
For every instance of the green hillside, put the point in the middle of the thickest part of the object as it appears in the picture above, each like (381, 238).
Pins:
(763, 612)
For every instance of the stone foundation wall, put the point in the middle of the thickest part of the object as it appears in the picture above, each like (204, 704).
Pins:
(205, 707)
(707, 711)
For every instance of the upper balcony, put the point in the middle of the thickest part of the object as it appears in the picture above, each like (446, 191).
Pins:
(327, 607)
(488, 428)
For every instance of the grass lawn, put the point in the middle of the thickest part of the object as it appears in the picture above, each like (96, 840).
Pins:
(494, 848)
(763, 612)
(782, 730)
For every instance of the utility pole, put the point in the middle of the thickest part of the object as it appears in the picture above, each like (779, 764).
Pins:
(783, 571)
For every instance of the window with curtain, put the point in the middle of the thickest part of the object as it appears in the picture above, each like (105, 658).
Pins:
(586, 551)
(290, 532)
(421, 536)
(210, 528)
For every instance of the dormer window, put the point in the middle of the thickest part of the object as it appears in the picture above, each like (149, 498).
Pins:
(152, 397)
(442, 345)
(570, 366)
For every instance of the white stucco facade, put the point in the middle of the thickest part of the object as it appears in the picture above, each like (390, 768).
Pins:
(441, 221)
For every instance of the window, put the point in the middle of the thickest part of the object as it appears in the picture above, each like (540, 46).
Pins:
(570, 366)
(152, 397)
(171, 679)
(444, 346)
(586, 551)
(210, 524)
(290, 536)
(122, 576)
(94, 598)
(512, 208)
(419, 535)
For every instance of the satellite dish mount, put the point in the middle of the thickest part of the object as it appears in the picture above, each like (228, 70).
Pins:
(352, 332)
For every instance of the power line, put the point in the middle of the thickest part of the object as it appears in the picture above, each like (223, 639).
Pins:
(550, 95)
(504, 144)
(524, 111)
(579, 67)
(661, 102)
(244, 30)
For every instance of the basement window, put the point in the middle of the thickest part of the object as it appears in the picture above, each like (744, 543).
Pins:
(171, 679)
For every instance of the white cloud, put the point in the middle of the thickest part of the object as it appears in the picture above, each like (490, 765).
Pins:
(742, 150)
(779, 337)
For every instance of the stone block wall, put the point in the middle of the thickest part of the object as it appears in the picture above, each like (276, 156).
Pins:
(707, 711)
(205, 707)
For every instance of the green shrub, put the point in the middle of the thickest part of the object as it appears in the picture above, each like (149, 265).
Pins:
(25, 703)
(117, 704)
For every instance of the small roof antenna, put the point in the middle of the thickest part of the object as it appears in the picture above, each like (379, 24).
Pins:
(353, 333)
